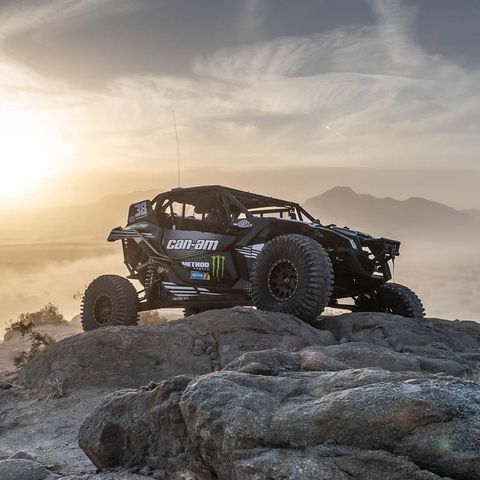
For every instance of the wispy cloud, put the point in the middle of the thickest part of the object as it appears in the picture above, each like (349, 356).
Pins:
(365, 95)
(22, 16)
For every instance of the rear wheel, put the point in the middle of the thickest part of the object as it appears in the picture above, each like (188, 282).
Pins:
(109, 300)
(392, 298)
(292, 274)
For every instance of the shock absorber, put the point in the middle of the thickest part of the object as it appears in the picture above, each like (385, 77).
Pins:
(150, 278)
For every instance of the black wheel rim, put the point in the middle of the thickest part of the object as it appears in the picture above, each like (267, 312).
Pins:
(282, 280)
(103, 310)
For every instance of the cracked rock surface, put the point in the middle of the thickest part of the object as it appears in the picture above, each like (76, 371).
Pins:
(437, 345)
(355, 423)
(132, 356)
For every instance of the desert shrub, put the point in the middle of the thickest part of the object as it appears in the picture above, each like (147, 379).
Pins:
(152, 317)
(40, 341)
(24, 325)
(47, 315)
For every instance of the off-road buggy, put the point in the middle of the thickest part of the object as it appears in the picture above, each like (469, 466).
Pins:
(214, 247)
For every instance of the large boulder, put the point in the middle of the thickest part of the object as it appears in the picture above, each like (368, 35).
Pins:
(431, 422)
(137, 428)
(256, 420)
(132, 356)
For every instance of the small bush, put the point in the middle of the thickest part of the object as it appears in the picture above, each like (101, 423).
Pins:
(152, 317)
(24, 325)
(47, 315)
(39, 342)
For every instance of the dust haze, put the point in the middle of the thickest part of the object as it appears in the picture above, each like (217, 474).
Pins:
(438, 254)
(27, 288)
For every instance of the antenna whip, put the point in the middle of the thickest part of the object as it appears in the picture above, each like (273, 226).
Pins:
(178, 148)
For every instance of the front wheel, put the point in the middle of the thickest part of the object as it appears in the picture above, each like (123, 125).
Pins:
(292, 274)
(392, 298)
(109, 300)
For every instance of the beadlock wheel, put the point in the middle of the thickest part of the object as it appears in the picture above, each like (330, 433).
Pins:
(292, 274)
(282, 280)
(103, 310)
(392, 298)
(109, 300)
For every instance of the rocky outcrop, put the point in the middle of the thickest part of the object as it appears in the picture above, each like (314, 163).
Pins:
(438, 345)
(246, 394)
(265, 417)
(132, 356)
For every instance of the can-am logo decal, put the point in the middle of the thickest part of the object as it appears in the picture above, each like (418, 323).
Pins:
(197, 265)
(188, 244)
(218, 266)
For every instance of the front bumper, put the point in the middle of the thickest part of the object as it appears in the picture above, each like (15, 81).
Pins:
(364, 269)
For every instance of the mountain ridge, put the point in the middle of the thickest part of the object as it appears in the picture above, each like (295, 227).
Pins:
(386, 216)
(339, 205)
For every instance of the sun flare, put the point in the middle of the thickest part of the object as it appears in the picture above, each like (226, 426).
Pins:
(30, 150)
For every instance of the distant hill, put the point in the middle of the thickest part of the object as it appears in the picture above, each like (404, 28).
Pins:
(415, 217)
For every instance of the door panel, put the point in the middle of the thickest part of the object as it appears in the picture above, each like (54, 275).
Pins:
(203, 258)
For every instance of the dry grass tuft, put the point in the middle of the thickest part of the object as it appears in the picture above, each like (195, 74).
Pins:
(55, 387)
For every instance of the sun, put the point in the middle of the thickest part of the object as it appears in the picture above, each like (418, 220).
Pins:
(30, 150)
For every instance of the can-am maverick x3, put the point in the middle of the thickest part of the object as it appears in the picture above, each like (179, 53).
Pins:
(211, 247)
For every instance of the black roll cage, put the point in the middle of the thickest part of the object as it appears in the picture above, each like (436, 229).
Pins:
(261, 205)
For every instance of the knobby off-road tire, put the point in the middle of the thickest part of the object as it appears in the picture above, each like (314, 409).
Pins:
(109, 300)
(292, 274)
(392, 298)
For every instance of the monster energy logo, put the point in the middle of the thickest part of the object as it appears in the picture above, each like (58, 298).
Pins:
(218, 267)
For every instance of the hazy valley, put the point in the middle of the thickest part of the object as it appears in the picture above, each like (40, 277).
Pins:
(58, 251)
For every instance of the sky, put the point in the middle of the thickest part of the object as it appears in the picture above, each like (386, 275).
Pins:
(381, 95)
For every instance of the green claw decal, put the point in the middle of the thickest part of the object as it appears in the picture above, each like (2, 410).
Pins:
(218, 267)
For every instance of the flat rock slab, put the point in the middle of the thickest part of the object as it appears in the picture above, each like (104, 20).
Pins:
(446, 346)
(132, 356)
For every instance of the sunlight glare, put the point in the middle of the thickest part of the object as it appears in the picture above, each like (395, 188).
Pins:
(30, 151)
